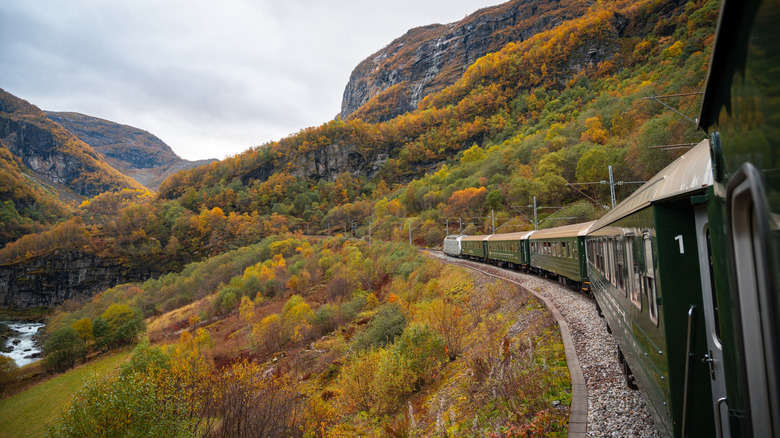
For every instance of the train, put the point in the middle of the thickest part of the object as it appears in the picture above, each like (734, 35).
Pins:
(686, 270)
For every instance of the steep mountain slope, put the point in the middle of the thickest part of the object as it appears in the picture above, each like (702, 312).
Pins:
(26, 205)
(521, 123)
(427, 59)
(134, 152)
(54, 154)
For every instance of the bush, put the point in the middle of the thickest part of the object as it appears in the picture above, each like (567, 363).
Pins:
(387, 324)
(351, 308)
(325, 319)
(154, 395)
(119, 325)
(63, 348)
(423, 350)
(7, 370)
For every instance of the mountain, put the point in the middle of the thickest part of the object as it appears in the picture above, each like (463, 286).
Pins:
(132, 151)
(427, 59)
(54, 154)
(524, 122)
(45, 170)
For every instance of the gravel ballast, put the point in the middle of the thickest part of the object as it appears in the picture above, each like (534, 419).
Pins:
(613, 409)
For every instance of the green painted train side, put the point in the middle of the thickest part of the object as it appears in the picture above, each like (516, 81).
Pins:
(740, 112)
(509, 251)
(640, 260)
(473, 248)
(560, 256)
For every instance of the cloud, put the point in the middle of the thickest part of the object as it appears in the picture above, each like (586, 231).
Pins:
(209, 78)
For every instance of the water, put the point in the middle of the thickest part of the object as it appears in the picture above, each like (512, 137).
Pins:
(26, 350)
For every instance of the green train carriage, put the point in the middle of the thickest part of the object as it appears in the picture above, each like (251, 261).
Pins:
(474, 247)
(510, 249)
(559, 251)
(739, 220)
(644, 269)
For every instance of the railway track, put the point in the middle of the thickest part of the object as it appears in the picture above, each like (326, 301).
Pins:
(602, 405)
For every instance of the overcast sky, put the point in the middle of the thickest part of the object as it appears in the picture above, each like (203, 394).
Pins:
(210, 78)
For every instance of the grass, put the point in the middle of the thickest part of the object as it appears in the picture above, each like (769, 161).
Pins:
(27, 413)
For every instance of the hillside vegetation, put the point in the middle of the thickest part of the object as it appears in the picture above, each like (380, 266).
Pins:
(522, 122)
(329, 338)
(43, 168)
(250, 325)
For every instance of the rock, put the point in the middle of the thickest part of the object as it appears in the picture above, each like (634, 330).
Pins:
(53, 154)
(52, 279)
(429, 58)
(132, 151)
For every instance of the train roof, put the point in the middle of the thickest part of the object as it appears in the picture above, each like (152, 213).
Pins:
(573, 230)
(689, 173)
(520, 235)
(474, 238)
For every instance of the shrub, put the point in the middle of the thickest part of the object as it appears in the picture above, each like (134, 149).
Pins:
(296, 318)
(251, 404)
(84, 329)
(351, 308)
(423, 350)
(325, 319)
(63, 348)
(448, 320)
(356, 382)
(267, 334)
(387, 324)
(119, 325)
(154, 395)
(7, 370)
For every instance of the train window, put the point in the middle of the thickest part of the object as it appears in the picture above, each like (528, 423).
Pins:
(600, 254)
(649, 279)
(589, 256)
(632, 261)
(611, 264)
(608, 259)
(620, 265)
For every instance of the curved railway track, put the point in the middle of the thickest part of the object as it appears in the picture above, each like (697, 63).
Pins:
(602, 405)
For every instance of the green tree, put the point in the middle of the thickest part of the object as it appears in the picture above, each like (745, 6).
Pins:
(122, 325)
(63, 348)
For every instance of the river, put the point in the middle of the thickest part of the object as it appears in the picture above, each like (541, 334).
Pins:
(24, 348)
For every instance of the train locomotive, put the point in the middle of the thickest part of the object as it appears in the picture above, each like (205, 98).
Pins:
(686, 270)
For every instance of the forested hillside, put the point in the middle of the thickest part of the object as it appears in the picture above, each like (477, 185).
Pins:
(44, 168)
(523, 122)
(275, 290)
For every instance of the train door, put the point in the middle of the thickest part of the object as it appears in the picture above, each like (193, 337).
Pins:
(750, 232)
(711, 323)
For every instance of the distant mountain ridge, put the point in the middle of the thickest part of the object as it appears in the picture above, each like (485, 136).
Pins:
(133, 151)
(52, 153)
(426, 59)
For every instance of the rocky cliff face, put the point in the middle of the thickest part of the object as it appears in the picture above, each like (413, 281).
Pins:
(132, 151)
(336, 158)
(427, 59)
(54, 154)
(51, 280)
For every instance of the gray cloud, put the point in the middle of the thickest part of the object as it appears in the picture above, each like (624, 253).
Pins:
(209, 78)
